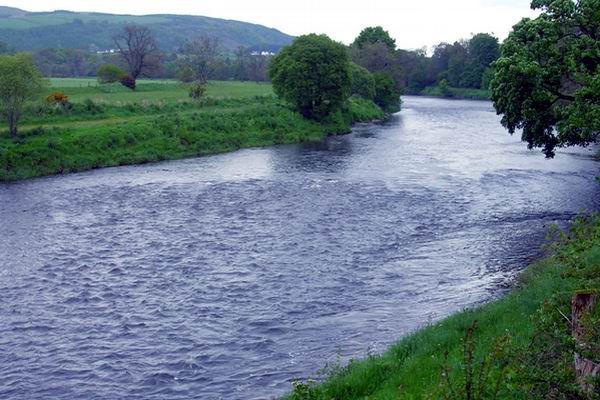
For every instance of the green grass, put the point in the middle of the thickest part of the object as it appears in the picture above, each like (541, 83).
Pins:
(536, 362)
(160, 91)
(110, 126)
(457, 93)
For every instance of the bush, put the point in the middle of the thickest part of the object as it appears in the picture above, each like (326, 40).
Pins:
(313, 75)
(363, 83)
(110, 73)
(386, 95)
(128, 82)
(58, 99)
(197, 90)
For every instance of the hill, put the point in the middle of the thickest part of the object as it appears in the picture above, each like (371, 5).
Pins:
(24, 30)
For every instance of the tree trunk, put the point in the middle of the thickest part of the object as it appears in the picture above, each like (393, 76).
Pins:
(586, 370)
(12, 124)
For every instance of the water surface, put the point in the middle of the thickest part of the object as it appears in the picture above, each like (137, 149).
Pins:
(226, 277)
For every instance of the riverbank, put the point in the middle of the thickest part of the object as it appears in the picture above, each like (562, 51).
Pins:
(112, 126)
(517, 347)
(456, 93)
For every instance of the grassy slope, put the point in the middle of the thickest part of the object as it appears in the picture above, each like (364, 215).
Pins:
(157, 122)
(457, 93)
(412, 368)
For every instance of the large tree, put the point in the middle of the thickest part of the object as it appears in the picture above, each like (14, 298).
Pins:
(137, 46)
(19, 82)
(313, 74)
(547, 80)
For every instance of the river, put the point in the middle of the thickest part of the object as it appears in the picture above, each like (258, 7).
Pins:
(225, 277)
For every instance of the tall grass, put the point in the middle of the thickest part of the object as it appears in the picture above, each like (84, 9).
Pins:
(139, 133)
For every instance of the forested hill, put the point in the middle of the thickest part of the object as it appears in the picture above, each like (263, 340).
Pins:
(24, 30)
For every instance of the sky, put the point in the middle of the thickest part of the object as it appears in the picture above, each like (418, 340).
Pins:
(413, 23)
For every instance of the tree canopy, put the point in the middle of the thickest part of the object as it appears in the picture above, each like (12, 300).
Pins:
(372, 35)
(19, 82)
(547, 80)
(313, 74)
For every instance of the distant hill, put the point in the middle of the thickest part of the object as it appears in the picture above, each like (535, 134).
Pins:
(23, 30)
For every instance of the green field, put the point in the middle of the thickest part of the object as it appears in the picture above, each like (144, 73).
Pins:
(157, 91)
(109, 125)
(521, 346)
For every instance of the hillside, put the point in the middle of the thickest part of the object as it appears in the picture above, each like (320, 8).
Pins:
(24, 30)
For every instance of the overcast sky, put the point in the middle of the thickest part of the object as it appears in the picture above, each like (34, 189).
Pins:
(414, 23)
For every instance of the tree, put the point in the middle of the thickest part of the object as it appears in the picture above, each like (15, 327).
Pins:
(377, 57)
(363, 82)
(20, 81)
(110, 73)
(482, 50)
(547, 81)
(137, 46)
(386, 95)
(372, 35)
(199, 58)
(313, 74)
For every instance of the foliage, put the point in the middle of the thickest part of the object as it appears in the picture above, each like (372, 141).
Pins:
(197, 90)
(455, 93)
(363, 82)
(386, 95)
(128, 81)
(373, 35)
(482, 51)
(377, 57)
(547, 81)
(19, 82)
(110, 73)
(58, 99)
(199, 59)
(476, 379)
(313, 75)
(137, 133)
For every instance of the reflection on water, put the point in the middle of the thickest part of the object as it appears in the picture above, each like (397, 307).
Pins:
(228, 276)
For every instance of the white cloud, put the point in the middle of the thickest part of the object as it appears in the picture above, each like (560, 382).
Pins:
(414, 23)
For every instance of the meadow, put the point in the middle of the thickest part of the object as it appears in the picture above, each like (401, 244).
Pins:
(109, 125)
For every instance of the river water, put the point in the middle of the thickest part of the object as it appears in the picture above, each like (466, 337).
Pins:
(225, 277)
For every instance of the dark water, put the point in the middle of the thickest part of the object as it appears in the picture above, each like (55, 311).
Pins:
(227, 276)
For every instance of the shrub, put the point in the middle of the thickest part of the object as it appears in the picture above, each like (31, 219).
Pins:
(363, 83)
(58, 99)
(386, 95)
(197, 90)
(110, 73)
(128, 82)
(91, 107)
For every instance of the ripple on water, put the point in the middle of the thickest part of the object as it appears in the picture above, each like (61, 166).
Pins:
(229, 276)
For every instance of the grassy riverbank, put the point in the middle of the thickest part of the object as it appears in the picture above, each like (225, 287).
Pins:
(457, 93)
(104, 126)
(519, 348)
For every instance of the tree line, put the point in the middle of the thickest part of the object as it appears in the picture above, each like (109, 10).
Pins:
(464, 63)
(544, 78)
